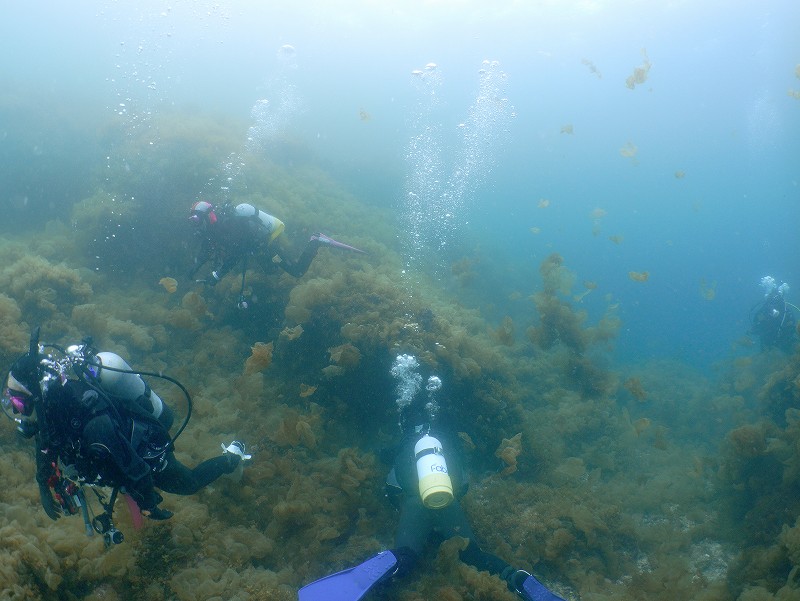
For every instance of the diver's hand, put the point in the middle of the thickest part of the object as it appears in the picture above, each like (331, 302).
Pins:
(212, 279)
(51, 508)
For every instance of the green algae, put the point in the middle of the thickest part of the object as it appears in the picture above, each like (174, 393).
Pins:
(686, 489)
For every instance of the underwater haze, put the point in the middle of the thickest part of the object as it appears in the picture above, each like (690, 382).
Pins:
(567, 207)
(693, 171)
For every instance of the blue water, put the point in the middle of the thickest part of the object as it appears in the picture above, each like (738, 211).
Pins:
(494, 134)
(714, 107)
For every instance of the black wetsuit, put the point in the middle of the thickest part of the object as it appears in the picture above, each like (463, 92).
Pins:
(234, 238)
(774, 323)
(115, 443)
(418, 524)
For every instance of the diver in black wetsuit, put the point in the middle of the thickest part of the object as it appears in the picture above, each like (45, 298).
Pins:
(772, 319)
(230, 235)
(420, 522)
(97, 422)
(425, 483)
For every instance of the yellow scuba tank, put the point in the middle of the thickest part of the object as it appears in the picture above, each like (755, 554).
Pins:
(435, 486)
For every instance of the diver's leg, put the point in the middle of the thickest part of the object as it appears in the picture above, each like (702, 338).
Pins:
(412, 533)
(178, 479)
(299, 267)
(452, 521)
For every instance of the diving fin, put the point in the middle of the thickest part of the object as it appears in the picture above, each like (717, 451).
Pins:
(352, 584)
(534, 590)
(323, 239)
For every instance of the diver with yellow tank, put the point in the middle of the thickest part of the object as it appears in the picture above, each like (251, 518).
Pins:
(425, 484)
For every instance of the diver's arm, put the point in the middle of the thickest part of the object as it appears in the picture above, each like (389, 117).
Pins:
(45, 470)
(203, 256)
(228, 264)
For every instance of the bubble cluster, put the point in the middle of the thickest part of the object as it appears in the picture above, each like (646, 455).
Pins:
(409, 382)
(441, 180)
(287, 54)
(230, 181)
(487, 122)
(769, 285)
(433, 386)
(271, 115)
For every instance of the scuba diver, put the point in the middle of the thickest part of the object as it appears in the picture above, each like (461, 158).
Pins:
(97, 423)
(772, 319)
(425, 484)
(231, 234)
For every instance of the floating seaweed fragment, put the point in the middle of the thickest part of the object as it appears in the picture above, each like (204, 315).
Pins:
(260, 358)
(680, 174)
(332, 371)
(640, 425)
(169, 284)
(555, 275)
(305, 434)
(616, 238)
(629, 151)
(597, 219)
(639, 75)
(468, 444)
(592, 68)
(567, 129)
(306, 390)
(543, 203)
(508, 451)
(639, 276)
(708, 290)
(794, 93)
(345, 355)
(634, 386)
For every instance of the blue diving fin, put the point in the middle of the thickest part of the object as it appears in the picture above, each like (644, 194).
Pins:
(352, 584)
(535, 591)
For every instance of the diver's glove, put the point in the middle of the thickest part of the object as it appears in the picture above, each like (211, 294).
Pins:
(51, 508)
(236, 448)
(212, 279)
